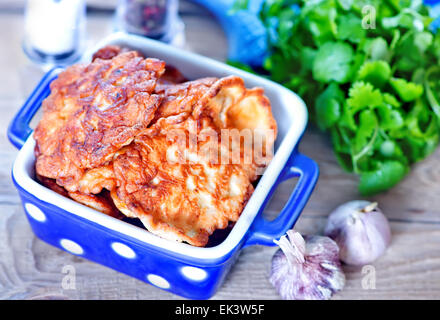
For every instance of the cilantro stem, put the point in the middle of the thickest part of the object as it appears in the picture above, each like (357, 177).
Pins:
(364, 150)
(383, 134)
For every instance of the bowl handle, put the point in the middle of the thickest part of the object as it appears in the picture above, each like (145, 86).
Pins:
(263, 231)
(19, 130)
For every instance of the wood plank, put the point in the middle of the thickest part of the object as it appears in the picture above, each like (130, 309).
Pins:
(31, 269)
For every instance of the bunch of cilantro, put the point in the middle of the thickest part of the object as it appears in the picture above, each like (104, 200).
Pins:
(368, 70)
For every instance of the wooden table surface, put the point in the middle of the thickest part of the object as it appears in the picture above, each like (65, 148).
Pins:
(32, 269)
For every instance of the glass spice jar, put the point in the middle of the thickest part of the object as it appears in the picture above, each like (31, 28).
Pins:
(150, 18)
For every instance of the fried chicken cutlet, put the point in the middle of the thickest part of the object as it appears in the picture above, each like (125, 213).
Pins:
(183, 191)
(92, 111)
(153, 140)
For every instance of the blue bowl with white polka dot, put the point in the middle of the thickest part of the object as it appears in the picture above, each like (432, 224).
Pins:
(180, 268)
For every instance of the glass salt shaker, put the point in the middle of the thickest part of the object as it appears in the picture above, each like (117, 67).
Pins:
(54, 30)
(156, 19)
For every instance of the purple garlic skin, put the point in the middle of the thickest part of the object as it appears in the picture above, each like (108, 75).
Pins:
(306, 268)
(361, 231)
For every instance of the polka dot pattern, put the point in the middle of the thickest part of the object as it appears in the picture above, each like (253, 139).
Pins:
(71, 246)
(194, 273)
(123, 250)
(35, 212)
(158, 281)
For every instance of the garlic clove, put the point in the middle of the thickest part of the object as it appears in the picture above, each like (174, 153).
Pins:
(306, 268)
(361, 231)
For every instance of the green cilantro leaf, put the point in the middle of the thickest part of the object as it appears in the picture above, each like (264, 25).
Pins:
(386, 175)
(350, 28)
(365, 134)
(363, 95)
(376, 49)
(321, 20)
(390, 119)
(332, 62)
(391, 100)
(407, 91)
(375, 72)
(328, 106)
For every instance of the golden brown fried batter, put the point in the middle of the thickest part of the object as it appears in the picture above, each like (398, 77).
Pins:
(175, 191)
(182, 191)
(94, 110)
(246, 111)
(181, 98)
(124, 135)
(109, 52)
(172, 75)
(101, 202)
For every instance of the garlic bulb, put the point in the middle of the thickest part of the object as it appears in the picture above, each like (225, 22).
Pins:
(361, 231)
(306, 269)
